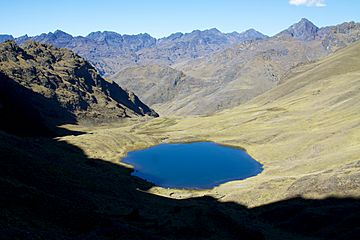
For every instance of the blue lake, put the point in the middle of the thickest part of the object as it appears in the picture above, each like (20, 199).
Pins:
(198, 165)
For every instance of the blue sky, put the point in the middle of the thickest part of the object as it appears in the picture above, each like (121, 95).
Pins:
(163, 17)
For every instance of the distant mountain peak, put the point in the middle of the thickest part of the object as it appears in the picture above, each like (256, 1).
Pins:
(105, 35)
(60, 32)
(305, 20)
(303, 30)
(144, 35)
(174, 36)
(5, 37)
(248, 35)
(206, 31)
(61, 35)
(253, 32)
(304, 23)
(213, 30)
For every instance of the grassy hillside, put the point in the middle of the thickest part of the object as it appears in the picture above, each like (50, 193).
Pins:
(305, 132)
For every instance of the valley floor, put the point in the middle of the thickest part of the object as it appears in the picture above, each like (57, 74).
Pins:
(305, 162)
(306, 133)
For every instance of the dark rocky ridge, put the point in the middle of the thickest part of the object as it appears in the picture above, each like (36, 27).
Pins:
(64, 77)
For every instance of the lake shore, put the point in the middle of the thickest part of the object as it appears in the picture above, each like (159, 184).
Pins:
(286, 173)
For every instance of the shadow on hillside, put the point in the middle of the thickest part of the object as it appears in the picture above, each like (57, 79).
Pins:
(24, 112)
(52, 190)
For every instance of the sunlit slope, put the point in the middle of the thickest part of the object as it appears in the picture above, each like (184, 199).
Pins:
(240, 73)
(306, 132)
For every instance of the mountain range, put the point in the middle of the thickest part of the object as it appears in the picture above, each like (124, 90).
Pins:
(242, 71)
(202, 72)
(110, 52)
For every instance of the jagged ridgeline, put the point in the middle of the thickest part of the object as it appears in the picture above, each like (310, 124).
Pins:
(69, 85)
(111, 52)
